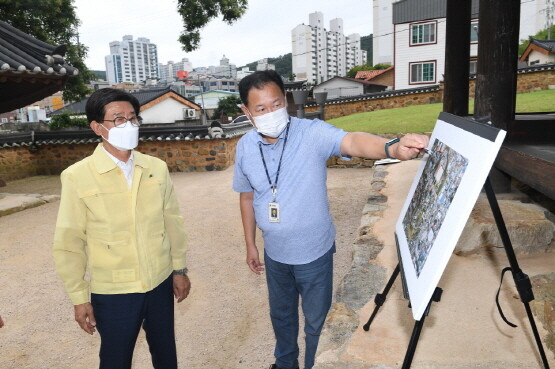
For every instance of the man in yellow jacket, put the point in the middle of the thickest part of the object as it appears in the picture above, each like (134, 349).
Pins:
(119, 220)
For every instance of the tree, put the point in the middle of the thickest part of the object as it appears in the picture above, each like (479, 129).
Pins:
(353, 71)
(228, 106)
(54, 22)
(197, 13)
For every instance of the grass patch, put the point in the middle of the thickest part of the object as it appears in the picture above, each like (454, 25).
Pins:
(422, 118)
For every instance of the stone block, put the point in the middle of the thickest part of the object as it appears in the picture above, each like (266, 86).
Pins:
(50, 198)
(529, 229)
(15, 203)
(543, 305)
(340, 324)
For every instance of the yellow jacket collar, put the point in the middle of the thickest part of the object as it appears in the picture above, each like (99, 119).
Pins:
(104, 164)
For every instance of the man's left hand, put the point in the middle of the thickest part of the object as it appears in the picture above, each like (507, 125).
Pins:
(409, 146)
(181, 287)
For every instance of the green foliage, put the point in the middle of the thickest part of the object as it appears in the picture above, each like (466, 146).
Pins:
(54, 22)
(66, 120)
(228, 106)
(353, 71)
(422, 118)
(366, 43)
(197, 13)
(541, 35)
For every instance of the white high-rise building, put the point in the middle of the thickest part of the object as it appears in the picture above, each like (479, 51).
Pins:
(168, 72)
(131, 60)
(382, 41)
(319, 54)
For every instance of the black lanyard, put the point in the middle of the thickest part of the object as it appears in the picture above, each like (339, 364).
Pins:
(274, 186)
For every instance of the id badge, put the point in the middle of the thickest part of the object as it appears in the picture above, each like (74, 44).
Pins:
(273, 212)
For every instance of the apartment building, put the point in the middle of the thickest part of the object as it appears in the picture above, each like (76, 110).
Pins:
(131, 60)
(168, 72)
(320, 54)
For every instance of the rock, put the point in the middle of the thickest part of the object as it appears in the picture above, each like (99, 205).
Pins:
(50, 198)
(529, 229)
(340, 324)
(13, 204)
(2, 183)
(544, 305)
(362, 282)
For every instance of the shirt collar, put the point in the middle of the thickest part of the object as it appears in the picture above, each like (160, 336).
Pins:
(129, 162)
(104, 163)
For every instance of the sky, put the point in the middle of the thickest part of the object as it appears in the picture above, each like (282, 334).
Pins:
(263, 31)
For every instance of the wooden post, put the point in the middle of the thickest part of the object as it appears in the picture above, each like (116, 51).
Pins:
(457, 57)
(499, 22)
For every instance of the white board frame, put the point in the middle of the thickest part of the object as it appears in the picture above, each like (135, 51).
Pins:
(477, 142)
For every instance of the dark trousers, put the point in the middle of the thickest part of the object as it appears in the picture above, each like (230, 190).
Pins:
(313, 282)
(119, 319)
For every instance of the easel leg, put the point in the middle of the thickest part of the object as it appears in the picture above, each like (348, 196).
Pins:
(411, 349)
(522, 281)
(380, 297)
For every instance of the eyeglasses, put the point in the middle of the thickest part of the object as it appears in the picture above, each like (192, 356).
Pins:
(120, 122)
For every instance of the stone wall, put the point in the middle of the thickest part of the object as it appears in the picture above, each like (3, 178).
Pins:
(341, 109)
(527, 81)
(181, 156)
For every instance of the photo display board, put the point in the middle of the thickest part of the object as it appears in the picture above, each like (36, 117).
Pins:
(439, 202)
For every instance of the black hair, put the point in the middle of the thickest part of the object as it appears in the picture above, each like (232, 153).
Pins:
(259, 80)
(96, 105)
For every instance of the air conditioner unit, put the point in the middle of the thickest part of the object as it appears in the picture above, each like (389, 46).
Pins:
(189, 113)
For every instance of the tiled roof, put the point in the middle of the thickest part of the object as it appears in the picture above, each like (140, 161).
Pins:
(144, 97)
(30, 69)
(21, 53)
(369, 74)
(190, 133)
(548, 45)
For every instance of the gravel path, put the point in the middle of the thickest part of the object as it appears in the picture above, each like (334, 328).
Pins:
(223, 324)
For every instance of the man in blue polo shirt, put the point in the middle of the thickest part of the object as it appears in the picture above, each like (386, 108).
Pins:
(280, 173)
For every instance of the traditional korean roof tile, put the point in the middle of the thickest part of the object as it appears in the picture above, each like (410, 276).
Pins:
(29, 68)
(189, 133)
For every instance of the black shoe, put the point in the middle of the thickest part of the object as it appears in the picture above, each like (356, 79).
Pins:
(274, 366)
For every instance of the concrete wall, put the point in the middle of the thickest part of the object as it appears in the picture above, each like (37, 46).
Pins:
(181, 156)
(166, 111)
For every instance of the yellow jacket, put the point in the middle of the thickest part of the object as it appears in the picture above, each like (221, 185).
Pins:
(130, 238)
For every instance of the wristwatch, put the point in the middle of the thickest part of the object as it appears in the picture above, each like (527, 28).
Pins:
(387, 144)
(183, 271)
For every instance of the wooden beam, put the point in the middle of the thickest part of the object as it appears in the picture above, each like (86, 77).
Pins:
(457, 57)
(530, 164)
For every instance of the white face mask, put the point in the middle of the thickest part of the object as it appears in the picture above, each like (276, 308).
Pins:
(124, 138)
(273, 123)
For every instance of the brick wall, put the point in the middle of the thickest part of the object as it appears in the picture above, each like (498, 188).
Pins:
(181, 156)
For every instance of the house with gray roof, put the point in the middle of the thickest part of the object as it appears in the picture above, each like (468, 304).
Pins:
(539, 52)
(161, 106)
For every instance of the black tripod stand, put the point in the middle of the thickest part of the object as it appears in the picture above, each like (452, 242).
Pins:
(521, 280)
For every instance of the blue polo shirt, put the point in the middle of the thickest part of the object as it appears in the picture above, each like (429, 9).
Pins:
(305, 231)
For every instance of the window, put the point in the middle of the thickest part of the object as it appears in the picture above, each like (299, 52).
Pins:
(423, 33)
(472, 67)
(474, 32)
(422, 72)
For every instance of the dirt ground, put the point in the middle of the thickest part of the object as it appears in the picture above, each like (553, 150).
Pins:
(224, 322)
